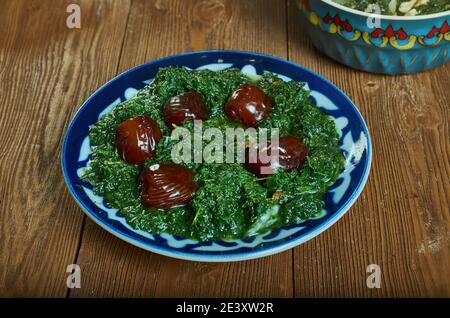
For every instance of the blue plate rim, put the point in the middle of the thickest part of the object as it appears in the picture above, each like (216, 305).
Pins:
(239, 256)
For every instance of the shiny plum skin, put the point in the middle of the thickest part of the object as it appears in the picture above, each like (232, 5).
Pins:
(167, 185)
(136, 139)
(292, 153)
(249, 105)
(187, 106)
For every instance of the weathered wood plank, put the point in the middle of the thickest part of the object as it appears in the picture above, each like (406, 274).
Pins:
(401, 221)
(46, 71)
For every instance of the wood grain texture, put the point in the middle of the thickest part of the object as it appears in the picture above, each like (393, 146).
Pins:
(156, 29)
(401, 220)
(47, 70)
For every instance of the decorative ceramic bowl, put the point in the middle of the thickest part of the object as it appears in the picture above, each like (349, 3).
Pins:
(399, 44)
(354, 142)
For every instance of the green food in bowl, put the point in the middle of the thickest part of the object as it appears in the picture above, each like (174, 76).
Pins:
(398, 7)
(230, 201)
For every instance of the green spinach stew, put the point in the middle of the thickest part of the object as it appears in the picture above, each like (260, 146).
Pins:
(131, 165)
(398, 7)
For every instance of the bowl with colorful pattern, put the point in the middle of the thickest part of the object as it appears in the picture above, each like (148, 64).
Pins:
(377, 42)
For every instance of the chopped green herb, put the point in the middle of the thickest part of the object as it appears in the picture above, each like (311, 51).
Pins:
(230, 201)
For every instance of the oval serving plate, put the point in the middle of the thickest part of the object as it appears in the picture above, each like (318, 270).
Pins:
(354, 141)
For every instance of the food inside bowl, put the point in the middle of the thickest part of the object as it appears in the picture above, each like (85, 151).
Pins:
(398, 7)
(132, 163)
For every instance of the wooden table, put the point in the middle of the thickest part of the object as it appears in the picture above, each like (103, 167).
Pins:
(400, 222)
